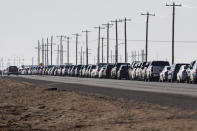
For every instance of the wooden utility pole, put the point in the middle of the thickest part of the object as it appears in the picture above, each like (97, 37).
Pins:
(68, 50)
(77, 35)
(42, 50)
(86, 31)
(108, 25)
(173, 26)
(61, 49)
(116, 47)
(99, 37)
(47, 51)
(147, 25)
(102, 48)
(51, 50)
(125, 35)
(38, 52)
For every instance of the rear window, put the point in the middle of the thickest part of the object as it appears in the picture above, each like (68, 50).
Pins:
(178, 66)
(93, 67)
(13, 68)
(124, 67)
(110, 66)
(160, 63)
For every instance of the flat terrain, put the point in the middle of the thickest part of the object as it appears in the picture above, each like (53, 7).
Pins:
(29, 105)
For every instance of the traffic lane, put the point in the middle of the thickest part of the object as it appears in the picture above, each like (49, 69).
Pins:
(169, 88)
(162, 99)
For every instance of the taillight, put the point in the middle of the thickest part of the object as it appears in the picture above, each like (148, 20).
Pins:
(196, 71)
(151, 69)
(166, 72)
(184, 71)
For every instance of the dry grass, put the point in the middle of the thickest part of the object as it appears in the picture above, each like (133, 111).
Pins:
(25, 106)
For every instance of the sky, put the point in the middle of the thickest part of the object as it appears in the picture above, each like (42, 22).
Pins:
(24, 22)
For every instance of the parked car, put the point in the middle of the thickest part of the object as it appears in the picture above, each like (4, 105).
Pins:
(139, 71)
(172, 74)
(90, 70)
(69, 70)
(144, 71)
(131, 68)
(77, 70)
(116, 68)
(182, 74)
(192, 72)
(154, 69)
(108, 70)
(164, 74)
(87, 71)
(102, 72)
(123, 72)
(12, 70)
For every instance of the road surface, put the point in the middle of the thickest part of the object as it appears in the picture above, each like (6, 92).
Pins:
(165, 94)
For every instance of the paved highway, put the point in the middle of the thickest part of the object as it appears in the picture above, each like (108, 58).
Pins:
(176, 95)
(156, 87)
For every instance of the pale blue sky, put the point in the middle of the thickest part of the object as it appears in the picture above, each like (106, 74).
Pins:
(24, 22)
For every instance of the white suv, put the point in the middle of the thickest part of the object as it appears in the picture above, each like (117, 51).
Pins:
(192, 72)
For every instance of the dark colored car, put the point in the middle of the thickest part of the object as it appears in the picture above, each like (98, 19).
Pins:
(108, 70)
(116, 68)
(123, 72)
(12, 70)
(77, 70)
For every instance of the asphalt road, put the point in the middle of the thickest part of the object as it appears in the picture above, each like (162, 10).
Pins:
(166, 94)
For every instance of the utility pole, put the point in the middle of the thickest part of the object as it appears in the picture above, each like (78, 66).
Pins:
(102, 48)
(32, 61)
(68, 41)
(42, 50)
(81, 55)
(86, 31)
(116, 47)
(61, 49)
(99, 37)
(51, 50)
(45, 60)
(173, 26)
(111, 57)
(125, 35)
(58, 53)
(77, 35)
(47, 51)
(38, 52)
(108, 26)
(147, 24)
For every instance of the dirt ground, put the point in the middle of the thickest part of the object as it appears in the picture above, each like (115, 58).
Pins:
(24, 106)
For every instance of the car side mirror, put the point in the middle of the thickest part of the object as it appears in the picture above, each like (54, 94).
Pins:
(191, 67)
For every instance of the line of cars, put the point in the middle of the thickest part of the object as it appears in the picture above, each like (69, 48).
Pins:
(143, 71)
